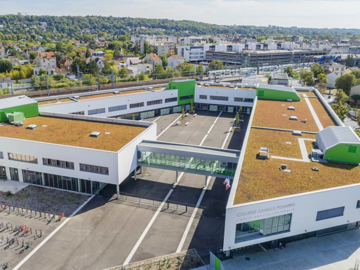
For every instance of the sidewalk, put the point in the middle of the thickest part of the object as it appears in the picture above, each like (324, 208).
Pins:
(12, 186)
(332, 252)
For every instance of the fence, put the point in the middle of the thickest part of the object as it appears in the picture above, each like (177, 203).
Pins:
(178, 261)
(168, 205)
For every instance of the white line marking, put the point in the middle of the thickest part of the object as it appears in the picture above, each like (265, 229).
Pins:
(207, 134)
(304, 152)
(168, 127)
(156, 119)
(186, 232)
(262, 247)
(316, 118)
(138, 243)
(291, 159)
(52, 234)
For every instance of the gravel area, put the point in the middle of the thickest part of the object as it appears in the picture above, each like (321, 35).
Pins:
(45, 200)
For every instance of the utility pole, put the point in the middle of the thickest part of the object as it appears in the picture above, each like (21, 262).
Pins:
(115, 81)
(112, 78)
(78, 74)
(98, 82)
(47, 83)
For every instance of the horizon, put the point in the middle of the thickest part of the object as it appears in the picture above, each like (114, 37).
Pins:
(220, 12)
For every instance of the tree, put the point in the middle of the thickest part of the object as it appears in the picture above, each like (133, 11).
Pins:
(355, 98)
(356, 73)
(307, 76)
(191, 106)
(116, 50)
(216, 65)
(59, 47)
(33, 55)
(237, 119)
(164, 60)
(35, 82)
(187, 70)
(5, 65)
(323, 78)
(341, 97)
(199, 69)
(182, 114)
(317, 69)
(341, 110)
(123, 73)
(87, 53)
(350, 61)
(158, 72)
(345, 82)
(289, 71)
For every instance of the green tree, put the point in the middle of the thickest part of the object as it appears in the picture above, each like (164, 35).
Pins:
(307, 76)
(164, 61)
(317, 69)
(182, 114)
(87, 53)
(59, 47)
(199, 69)
(35, 82)
(158, 72)
(116, 50)
(191, 106)
(123, 72)
(216, 65)
(341, 110)
(355, 98)
(5, 65)
(350, 61)
(341, 96)
(289, 71)
(345, 82)
(33, 55)
(356, 73)
(187, 70)
(237, 119)
(323, 78)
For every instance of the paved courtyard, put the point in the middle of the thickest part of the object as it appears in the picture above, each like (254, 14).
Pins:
(332, 252)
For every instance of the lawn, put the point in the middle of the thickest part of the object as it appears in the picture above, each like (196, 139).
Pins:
(322, 114)
(274, 114)
(262, 179)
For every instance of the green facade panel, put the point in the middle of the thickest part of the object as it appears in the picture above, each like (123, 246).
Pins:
(186, 90)
(264, 93)
(349, 153)
(29, 110)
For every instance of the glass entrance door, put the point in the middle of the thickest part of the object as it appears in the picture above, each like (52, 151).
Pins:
(2, 173)
(14, 174)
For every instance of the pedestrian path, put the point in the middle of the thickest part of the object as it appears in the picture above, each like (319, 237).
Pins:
(12, 186)
(331, 252)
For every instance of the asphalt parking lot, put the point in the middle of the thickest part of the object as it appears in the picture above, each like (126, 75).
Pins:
(109, 232)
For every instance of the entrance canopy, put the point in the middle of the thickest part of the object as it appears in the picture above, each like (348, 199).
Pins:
(188, 158)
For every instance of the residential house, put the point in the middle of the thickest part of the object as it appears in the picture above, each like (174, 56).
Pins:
(137, 69)
(5, 82)
(46, 60)
(66, 64)
(131, 61)
(96, 54)
(99, 61)
(14, 61)
(175, 60)
(333, 71)
(152, 59)
(41, 49)
(3, 54)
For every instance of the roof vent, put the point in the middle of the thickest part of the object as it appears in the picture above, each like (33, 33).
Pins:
(293, 118)
(231, 86)
(297, 133)
(291, 108)
(76, 97)
(289, 100)
(32, 126)
(116, 92)
(95, 134)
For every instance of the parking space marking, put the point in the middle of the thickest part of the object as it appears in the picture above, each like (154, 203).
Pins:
(168, 126)
(191, 220)
(52, 234)
(138, 243)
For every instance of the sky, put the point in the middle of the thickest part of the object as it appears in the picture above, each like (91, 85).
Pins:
(300, 13)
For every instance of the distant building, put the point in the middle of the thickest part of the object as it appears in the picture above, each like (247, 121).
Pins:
(175, 60)
(152, 59)
(280, 79)
(46, 60)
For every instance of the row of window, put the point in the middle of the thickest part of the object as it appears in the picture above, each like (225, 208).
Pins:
(187, 97)
(134, 105)
(59, 163)
(223, 98)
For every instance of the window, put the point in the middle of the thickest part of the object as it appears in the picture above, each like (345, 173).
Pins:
(202, 96)
(80, 113)
(1, 155)
(94, 169)
(136, 105)
(237, 99)
(330, 213)
(117, 108)
(219, 98)
(186, 97)
(24, 158)
(154, 102)
(358, 204)
(167, 100)
(58, 163)
(263, 227)
(96, 111)
(352, 149)
(248, 100)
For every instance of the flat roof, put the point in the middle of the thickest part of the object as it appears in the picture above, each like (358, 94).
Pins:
(262, 179)
(227, 87)
(15, 102)
(94, 95)
(73, 132)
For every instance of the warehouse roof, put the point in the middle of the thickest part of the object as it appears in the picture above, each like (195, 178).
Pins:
(332, 136)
